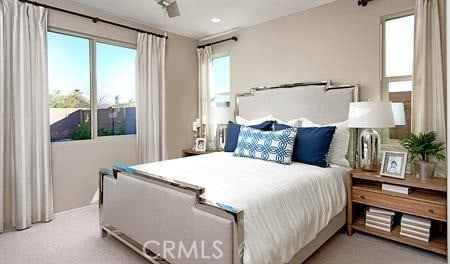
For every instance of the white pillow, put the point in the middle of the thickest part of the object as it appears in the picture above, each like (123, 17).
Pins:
(292, 123)
(339, 143)
(242, 121)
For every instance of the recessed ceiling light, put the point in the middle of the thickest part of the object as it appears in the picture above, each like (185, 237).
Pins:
(216, 20)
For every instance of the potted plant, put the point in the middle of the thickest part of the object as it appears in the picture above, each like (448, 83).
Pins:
(424, 150)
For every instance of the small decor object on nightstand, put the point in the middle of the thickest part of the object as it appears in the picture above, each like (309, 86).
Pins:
(200, 144)
(423, 149)
(415, 227)
(380, 219)
(394, 164)
(396, 188)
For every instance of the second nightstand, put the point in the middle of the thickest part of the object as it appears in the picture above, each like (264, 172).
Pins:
(428, 199)
(191, 152)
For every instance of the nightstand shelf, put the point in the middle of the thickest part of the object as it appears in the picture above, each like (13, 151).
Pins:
(428, 199)
(436, 184)
(437, 244)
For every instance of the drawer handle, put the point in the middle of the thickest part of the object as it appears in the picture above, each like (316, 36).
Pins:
(431, 210)
(362, 197)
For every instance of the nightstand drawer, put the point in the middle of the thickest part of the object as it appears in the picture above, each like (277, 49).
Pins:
(425, 209)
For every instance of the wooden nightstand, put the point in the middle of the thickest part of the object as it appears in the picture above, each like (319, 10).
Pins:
(191, 152)
(428, 199)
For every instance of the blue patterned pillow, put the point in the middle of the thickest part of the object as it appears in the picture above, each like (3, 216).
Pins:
(276, 146)
(233, 133)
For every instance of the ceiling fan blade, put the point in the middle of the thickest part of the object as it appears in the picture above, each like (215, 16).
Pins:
(172, 9)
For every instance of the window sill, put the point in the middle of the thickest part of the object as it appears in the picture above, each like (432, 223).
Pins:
(95, 140)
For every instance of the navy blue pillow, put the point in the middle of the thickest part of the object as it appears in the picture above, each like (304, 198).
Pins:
(312, 144)
(233, 133)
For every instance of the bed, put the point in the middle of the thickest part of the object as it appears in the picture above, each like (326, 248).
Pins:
(196, 206)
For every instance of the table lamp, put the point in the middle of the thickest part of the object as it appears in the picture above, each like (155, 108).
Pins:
(220, 117)
(370, 115)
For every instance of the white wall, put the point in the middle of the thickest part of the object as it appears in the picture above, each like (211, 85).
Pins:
(338, 41)
(76, 164)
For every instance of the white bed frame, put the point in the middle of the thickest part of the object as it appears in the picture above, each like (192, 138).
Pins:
(137, 207)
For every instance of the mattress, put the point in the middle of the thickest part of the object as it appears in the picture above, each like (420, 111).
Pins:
(285, 206)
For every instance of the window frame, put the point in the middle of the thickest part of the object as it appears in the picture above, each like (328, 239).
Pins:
(385, 80)
(93, 81)
(218, 56)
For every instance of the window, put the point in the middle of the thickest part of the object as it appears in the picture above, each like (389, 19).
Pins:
(398, 52)
(69, 87)
(73, 82)
(221, 81)
(116, 104)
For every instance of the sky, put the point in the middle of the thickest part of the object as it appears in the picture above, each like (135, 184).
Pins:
(399, 46)
(69, 68)
(221, 77)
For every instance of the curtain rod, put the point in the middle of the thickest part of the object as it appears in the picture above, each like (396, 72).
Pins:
(94, 19)
(217, 42)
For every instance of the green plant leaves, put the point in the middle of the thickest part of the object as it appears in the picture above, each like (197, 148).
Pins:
(424, 146)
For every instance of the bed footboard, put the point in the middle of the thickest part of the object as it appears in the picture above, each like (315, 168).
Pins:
(168, 221)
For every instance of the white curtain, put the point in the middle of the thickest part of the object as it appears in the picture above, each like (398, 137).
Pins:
(26, 193)
(205, 92)
(428, 79)
(151, 94)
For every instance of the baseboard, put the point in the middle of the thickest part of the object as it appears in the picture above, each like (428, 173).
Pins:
(76, 209)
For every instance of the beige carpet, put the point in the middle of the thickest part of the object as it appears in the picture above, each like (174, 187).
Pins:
(73, 237)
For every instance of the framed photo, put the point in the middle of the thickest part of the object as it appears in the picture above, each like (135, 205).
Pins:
(394, 164)
(200, 144)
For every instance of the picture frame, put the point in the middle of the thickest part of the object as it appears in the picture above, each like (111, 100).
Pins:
(394, 164)
(200, 144)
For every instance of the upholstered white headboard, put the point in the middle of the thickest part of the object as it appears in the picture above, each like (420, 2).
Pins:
(317, 101)
(320, 102)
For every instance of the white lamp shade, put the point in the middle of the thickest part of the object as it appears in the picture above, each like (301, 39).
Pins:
(370, 115)
(220, 115)
(398, 109)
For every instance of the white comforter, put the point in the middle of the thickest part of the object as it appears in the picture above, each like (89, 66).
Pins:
(285, 206)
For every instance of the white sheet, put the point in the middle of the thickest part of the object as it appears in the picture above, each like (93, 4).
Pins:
(285, 206)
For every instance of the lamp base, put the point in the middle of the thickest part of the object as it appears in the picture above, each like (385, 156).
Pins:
(369, 148)
(221, 134)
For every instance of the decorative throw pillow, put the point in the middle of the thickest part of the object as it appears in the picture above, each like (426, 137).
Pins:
(339, 144)
(312, 144)
(276, 146)
(233, 133)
